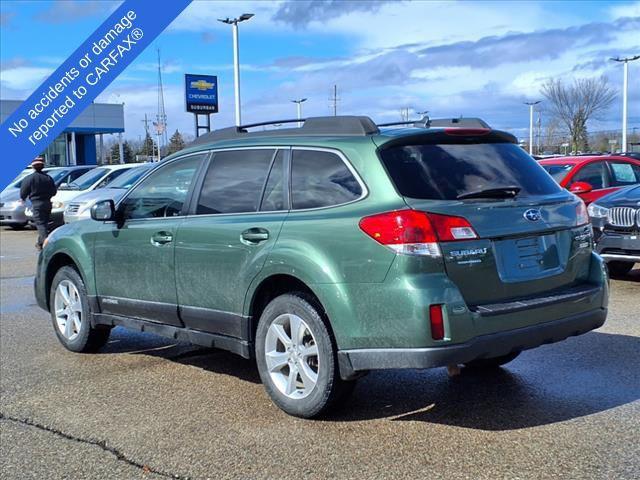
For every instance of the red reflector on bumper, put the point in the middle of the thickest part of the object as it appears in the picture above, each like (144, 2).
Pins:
(437, 322)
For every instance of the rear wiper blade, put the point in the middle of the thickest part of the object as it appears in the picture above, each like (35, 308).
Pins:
(496, 192)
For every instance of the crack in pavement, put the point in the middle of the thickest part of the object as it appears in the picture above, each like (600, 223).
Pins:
(102, 444)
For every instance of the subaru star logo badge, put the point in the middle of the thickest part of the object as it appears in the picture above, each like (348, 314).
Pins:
(533, 215)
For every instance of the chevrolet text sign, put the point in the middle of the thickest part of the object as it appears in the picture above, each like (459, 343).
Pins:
(201, 93)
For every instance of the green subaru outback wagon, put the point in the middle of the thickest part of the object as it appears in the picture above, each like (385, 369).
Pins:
(333, 249)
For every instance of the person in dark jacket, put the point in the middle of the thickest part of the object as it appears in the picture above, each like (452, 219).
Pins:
(39, 188)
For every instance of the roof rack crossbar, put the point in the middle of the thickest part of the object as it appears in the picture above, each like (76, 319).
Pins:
(408, 122)
(272, 122)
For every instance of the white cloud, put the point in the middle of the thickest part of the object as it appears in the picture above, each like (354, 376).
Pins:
(631, 9)
(25, 78)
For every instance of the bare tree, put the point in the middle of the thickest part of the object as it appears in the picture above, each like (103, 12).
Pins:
(551, 133)
(574, 105)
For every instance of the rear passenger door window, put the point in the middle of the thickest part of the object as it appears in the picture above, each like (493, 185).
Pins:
(234, 181)
(595, 174)
(321, 179)
(624, 173)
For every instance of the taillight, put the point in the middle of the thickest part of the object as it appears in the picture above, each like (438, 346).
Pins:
(450, 228)
(416, 233)
(436, 319)
(582, 215)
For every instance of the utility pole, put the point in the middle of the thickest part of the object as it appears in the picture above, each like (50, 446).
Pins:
(531, 105)
(625, 84)
(161, 116)
(538, 131)
(334, 100)
(236, 59)
(146, 130)
(299, 103)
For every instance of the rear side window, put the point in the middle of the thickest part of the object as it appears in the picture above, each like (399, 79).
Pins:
(446, 171)
(321, 179)
(624, 173)
(234, 181)
(595, 174)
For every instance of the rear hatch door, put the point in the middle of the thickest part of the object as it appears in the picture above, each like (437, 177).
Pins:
(527, 241)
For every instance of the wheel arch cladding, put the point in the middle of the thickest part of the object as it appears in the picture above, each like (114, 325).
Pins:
(271, 286)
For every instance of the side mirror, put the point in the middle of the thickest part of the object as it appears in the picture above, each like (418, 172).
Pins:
(580, 187)
(103, 211)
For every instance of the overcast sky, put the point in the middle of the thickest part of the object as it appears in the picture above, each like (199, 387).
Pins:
(451, 58)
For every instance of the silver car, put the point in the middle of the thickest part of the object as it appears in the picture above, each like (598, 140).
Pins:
(80, 207)
(12, 209)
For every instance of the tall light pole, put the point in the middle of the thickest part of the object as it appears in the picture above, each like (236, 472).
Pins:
(531, 105)
(299, 103)
(236, 58)
(625, 83)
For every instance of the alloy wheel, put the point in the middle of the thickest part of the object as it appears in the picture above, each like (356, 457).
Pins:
(68, 309)
(291, 355)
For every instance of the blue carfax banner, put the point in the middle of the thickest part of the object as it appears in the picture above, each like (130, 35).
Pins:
(80, 79)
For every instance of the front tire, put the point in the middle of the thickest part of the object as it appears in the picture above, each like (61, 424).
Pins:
(71, 313)
(297, 358)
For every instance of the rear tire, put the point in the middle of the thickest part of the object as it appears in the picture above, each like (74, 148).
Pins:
(619, 269)
(296, 357)
(71, 313)
(491, 363)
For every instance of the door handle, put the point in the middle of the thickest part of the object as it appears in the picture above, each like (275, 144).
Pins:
(253, 236)
(161, 238)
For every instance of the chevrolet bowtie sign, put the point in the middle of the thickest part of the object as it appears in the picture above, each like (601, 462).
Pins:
(201, 93)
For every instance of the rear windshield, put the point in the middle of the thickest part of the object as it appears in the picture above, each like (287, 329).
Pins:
(446, 171)
(558, 172)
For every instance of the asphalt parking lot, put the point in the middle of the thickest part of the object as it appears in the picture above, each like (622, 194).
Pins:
(148, 408)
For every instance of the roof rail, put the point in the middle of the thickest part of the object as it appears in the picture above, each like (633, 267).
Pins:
(345, 125)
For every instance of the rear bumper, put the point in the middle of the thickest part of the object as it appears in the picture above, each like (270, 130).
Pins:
(485, 346)
(12, 216)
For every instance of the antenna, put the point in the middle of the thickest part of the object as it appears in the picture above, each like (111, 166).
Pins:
(161, 117)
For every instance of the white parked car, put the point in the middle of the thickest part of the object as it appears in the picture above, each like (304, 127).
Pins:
(80, 207)
(96, 178)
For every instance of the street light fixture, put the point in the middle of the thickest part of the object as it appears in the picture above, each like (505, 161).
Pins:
(531, 105)
(299, 103)
(624, 95)
(236, 58)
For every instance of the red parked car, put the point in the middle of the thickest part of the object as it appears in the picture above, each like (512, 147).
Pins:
(591, 177)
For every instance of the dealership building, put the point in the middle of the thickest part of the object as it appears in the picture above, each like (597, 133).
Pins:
(82, 140)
